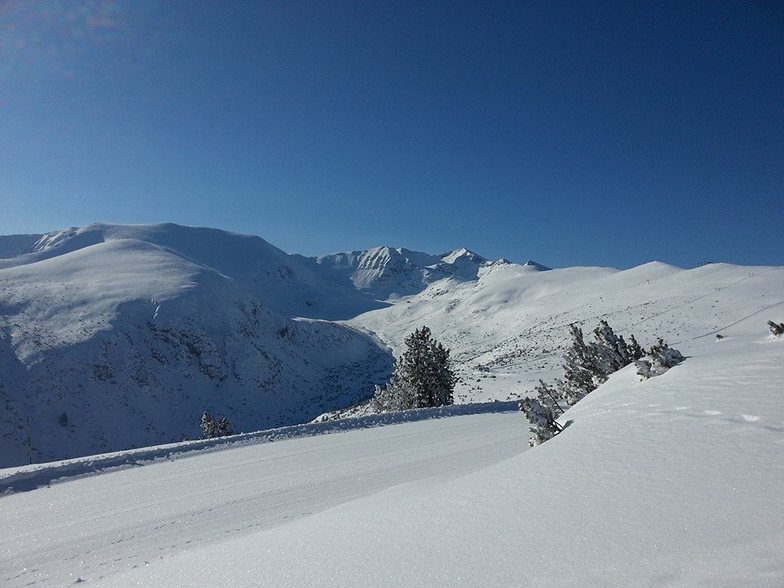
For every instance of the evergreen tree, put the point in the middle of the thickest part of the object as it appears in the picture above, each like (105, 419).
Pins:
(548, 397)
(579, 368)
(567, 393)
(635, 349)
(207, 425)
(396, 395)
(610, 351)
(542, 420)
(211, 428)
(423, 376)
(587, 365)
(658, 360)
(223, 428)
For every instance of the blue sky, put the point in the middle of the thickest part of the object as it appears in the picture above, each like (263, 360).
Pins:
(608, 133)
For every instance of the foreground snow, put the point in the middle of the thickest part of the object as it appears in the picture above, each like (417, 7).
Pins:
(95, 527)
(672, 481)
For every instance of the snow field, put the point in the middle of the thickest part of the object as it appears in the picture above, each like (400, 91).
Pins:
(98, 526)
(670, 482)
(674, 481)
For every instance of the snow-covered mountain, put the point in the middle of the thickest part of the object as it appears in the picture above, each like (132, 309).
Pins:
(508, 328)
(115, 336)
(384, 272)
(121, 336)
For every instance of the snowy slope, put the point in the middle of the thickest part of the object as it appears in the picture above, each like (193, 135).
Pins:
(508, 328)
(114, 337)
(283, 282)
(674, 481)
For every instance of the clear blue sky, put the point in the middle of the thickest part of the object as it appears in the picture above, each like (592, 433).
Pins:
(573, 133)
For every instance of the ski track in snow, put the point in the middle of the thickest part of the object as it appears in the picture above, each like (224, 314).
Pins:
(93, 527)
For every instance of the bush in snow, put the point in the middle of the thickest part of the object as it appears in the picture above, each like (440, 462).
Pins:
(776, 329)
(211, 428)
(579, 367)
(396, 395)
(587, 365)
(548, 397)
(659, 359)
(423, 376)
(565, 392)
(610, 351)
(542, 420)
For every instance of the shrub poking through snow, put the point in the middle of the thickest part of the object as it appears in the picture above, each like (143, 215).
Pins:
(548, 397)
(211, 428)
(586, 366)
(776, 329)
(658, 360)
(579, 368)
(542, 419)
(567, 393)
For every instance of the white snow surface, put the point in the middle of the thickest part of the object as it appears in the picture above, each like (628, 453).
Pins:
(114, 337)
(674, 481)
(509, 327)
(130, 332)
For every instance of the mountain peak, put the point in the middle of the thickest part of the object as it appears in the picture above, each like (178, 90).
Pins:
(536, 265)
(462, 253)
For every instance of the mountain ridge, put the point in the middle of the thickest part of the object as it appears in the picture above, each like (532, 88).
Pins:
(131, 331)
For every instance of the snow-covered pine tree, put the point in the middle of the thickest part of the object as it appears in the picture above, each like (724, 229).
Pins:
(542, 420)
(579, 368)
(223, 428)
(548, 397)
(425, 368)
(207, 425)
(395, 395)
(635, 349)
(610, 352)
(422, 377)
(567, 393)
(211, 428)
(658, 360)
(587, 365)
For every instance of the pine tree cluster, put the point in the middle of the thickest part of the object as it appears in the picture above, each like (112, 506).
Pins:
(422, 377)
(212, 428)
(586, 366)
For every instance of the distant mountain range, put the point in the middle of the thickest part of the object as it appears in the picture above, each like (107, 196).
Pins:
(115, 336)
(382, 272)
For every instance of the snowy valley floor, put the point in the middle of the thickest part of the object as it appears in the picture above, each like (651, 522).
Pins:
(669, 482)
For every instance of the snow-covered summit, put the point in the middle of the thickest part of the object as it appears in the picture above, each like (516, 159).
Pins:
(535, 265)
(282, 281)
(384, 271)
(132, 331)
(113, 336)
